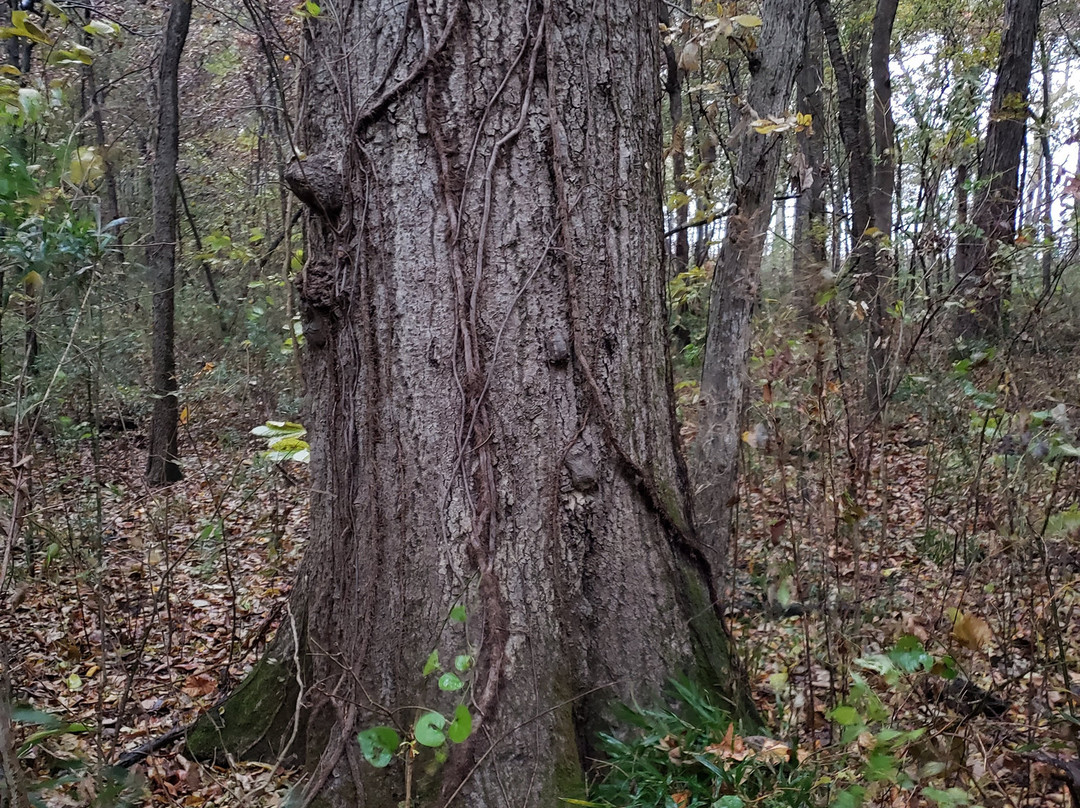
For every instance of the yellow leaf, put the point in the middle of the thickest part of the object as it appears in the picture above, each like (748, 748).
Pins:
(87, 166)
(184, 415)
(101, 28)
(747, 20)
(22, 25)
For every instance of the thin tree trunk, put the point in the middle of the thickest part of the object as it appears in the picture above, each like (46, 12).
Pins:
(163, 464)
(1047, 191)
(735, 282)
(809, 255)
(881, 203)
(870, 176)
(997, 197)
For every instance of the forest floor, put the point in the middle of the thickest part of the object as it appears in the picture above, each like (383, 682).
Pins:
(922, 574)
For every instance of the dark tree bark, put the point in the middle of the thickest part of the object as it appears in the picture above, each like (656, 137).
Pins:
(163, 464)
(985, 282)
(809, 256)
(491, 402)
(735, 282)
(881, 202)
(869, 147)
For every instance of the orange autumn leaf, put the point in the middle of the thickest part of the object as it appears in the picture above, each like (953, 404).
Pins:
(730, 747)
(681, 799)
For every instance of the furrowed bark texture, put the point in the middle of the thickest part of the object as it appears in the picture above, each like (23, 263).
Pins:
(985, 283)
(491, 395)
(735, 282)
(162, 465)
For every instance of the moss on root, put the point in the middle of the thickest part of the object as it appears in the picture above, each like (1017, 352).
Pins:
(714, 651)
(254, 720)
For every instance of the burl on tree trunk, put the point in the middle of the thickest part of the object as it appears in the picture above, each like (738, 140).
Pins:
(492, 419)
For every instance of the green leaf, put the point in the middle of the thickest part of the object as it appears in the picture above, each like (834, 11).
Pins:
(463, 662)
(432, 662)
(457, 614)
(378, 745)
(41, 735)
(945, 668)
(461, 727)
(450, 681)
(849, 798)
(429, 729)
(101, 28)
(845, 715)
(729, 801)
(949, 797)
(28, 715)
(909, 654)
(312, 8)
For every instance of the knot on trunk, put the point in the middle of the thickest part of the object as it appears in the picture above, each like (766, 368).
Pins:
(317, 181)
(318, 295)
(582, 469)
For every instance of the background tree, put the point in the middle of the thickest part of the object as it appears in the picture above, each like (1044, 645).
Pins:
(735, 284)
(163, 465)
(867, 134)
(811, 226)
(986, 279)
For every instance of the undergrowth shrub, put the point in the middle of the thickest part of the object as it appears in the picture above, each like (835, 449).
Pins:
(693, 756)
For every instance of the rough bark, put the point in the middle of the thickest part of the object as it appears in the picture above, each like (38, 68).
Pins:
(868, 144)
(490, 401)
(985, 283)
(163, 464)
(809, 256)
(881, 202)
(735, 282)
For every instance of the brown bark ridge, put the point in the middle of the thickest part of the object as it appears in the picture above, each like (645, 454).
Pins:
(985, 282)
(491, 404)
(735, 282)
(163, 463)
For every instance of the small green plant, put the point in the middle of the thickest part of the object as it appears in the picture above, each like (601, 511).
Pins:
(694, 757)
(110, 786)
(881, 753)
(431, 728)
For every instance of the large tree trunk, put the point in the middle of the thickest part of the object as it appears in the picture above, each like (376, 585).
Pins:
(491, 401)
(162, 465)
(735, 282)
(984, 284)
